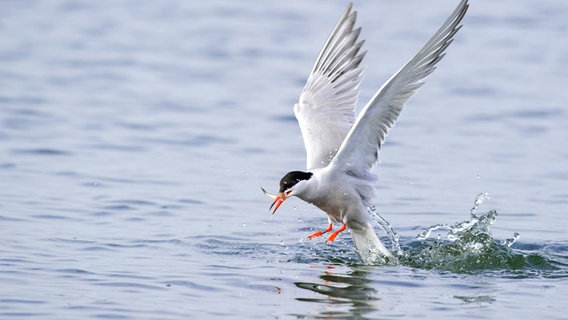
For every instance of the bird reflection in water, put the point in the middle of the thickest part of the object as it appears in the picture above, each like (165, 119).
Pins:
(347, 295)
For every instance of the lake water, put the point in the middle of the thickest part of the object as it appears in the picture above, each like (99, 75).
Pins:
(135, 136)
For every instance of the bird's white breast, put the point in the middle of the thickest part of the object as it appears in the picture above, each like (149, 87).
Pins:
(338, 194)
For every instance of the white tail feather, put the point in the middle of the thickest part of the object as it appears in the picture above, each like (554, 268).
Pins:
(370, 248)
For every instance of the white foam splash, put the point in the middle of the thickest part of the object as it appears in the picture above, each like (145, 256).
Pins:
(389, 230)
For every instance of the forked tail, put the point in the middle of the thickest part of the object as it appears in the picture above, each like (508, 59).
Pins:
(370, 248)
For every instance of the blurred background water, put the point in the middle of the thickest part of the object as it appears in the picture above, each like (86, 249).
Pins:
(135, 135)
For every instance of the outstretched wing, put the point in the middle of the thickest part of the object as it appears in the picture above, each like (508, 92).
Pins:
(325, 111)
(360, 149)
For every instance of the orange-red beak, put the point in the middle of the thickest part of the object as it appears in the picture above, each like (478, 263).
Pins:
(278, 200)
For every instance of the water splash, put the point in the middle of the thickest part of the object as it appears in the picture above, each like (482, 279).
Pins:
(394, 239)
(468, 246)
(479, 223)
(509, 242)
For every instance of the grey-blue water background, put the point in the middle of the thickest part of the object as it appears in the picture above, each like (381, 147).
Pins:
(135, 136)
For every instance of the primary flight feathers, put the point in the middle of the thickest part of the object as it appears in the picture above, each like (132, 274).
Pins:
(325, 111)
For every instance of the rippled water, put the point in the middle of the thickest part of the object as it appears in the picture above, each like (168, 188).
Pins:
(135, 135)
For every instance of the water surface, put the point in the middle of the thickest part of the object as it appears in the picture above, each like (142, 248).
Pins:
(134, 138)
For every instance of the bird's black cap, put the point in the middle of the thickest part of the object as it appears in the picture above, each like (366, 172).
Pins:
(291, 178)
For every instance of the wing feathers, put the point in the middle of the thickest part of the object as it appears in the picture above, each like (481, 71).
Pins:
(360, 149)
(325, 110)
(346, 22)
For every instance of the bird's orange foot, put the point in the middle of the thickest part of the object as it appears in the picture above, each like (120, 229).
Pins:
(319, 233)
(333, 235)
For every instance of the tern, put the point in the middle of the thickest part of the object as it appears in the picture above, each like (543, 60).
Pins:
(342, 150)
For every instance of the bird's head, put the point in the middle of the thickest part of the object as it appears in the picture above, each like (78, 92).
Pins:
(292, 184)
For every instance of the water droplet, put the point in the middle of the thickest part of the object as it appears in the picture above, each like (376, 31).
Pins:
(388, 228)
(509, 242)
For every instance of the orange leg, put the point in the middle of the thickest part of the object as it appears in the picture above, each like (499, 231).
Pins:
(333, 235)
(319, 233)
